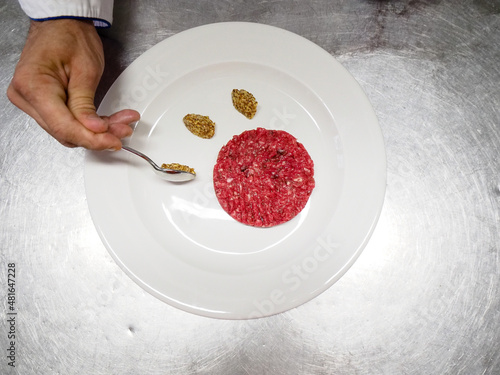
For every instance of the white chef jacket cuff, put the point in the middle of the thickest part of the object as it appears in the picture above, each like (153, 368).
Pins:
(101, 12)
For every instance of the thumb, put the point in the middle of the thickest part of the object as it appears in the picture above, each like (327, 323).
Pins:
(81, 93)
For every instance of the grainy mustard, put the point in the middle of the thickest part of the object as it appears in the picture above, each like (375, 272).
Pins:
(244, 102)
(201, 126)
(179, 167)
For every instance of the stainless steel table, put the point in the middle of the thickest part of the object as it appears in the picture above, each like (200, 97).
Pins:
(423, 298)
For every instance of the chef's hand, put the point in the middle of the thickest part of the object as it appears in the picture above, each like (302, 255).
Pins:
(55, 81)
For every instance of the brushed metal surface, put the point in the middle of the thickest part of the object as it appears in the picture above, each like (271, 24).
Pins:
(424, 296)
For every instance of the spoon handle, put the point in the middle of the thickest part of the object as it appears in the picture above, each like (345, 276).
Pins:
(140, 154)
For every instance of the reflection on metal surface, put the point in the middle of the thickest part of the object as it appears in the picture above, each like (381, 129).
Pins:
(423, 298)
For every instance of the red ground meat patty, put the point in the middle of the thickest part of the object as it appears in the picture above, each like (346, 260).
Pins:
(263, 177)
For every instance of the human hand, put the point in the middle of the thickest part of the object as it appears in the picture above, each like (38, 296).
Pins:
(55, 81)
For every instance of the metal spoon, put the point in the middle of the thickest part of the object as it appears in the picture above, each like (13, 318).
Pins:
(174, 175)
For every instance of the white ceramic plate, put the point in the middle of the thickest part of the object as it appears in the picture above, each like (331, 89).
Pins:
(175, 240)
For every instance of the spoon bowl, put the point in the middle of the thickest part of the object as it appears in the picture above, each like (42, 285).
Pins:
(168, 174)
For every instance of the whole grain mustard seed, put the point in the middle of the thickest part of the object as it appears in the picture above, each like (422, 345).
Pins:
(201, 126)
(179, 167)
(244, 102)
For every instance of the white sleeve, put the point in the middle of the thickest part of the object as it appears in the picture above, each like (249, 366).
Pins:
(100, 11)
